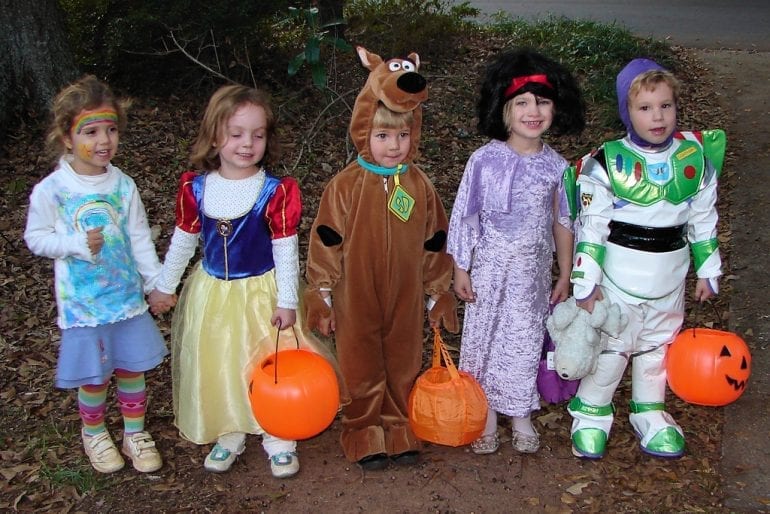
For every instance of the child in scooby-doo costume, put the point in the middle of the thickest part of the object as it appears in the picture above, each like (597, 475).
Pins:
(377, 247)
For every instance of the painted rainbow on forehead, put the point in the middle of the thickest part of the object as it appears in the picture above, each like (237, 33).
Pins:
(90, 117)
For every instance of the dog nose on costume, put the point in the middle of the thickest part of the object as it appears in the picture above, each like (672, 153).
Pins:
(411, 82)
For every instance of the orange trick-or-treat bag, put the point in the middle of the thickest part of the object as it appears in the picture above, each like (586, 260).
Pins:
(446, 406)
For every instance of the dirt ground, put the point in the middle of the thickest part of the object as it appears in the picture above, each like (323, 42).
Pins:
(742, 87)
(38, 429)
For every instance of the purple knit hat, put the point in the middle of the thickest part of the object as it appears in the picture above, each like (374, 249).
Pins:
(626, 76)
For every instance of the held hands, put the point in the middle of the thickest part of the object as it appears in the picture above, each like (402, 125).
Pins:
(95, 240)
(160, 302)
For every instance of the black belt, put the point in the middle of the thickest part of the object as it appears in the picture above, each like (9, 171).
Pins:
(648, 239)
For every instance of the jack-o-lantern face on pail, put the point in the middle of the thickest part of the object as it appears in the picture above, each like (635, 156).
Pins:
(708, 367)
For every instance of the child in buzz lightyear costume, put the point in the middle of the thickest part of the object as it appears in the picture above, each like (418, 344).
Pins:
(645, 202)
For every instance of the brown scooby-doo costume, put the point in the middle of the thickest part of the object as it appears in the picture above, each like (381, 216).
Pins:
(379, 262)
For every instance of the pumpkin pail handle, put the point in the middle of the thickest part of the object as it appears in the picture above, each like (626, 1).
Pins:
(698, 308)
(277, 334)
(439, 351)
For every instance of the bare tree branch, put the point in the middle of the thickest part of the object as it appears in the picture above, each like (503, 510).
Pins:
(198, 62)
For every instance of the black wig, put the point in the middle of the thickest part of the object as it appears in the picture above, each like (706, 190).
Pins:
(569, 108)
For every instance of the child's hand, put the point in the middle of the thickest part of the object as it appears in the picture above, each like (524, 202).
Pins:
(560, 290)
(283, 318)
(95, 240)
(588, 302)
(444, 311)
(327, 325)
(462, 286)
(703, 290)
(160, 302)
(318, 313)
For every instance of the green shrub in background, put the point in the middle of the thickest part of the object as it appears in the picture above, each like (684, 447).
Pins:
(269, 43)
(129, 43)
(432, 28)
(317, 35)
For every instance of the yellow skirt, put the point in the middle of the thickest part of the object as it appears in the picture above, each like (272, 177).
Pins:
(220, 331)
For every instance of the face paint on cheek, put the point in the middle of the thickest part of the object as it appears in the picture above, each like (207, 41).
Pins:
(85, 151)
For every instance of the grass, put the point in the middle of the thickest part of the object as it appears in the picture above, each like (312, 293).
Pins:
(51, 446)
(83, 478)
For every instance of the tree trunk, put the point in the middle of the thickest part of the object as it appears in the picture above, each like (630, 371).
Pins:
(35, 58)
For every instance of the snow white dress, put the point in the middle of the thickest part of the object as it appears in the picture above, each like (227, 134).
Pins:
(221, 327)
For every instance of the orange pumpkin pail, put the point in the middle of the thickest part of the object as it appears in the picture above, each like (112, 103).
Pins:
(708, 367)
(294, 393)
(447, 406)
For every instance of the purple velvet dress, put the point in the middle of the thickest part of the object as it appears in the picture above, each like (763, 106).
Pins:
(501, 230)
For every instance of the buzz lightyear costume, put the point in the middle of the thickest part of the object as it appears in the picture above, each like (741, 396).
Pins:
(640, 210)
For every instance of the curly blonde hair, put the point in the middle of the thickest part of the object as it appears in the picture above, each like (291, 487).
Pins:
(85, 94)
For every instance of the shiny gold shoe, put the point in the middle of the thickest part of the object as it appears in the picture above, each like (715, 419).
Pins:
(525, 443)
(486, 444)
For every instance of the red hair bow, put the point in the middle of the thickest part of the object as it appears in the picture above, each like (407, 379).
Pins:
(519, 82)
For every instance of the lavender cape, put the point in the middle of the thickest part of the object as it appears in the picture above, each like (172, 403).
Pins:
(501, 229)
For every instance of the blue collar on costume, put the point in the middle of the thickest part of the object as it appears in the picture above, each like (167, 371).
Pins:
(381, 170)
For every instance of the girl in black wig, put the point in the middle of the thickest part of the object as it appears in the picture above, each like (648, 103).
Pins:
(509, 211)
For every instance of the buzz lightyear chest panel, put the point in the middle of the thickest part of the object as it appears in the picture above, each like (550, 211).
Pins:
(640, 183)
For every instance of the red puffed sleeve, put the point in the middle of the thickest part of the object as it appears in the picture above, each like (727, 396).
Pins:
(187, 217)
(284, 209)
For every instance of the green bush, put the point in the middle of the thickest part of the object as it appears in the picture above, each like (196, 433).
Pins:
(432, 28)
(317, 36)
(129, 42)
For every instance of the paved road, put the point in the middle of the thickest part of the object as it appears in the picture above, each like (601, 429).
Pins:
(713, 24)
(732, 38)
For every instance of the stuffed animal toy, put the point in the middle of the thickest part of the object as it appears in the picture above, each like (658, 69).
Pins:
(577, 335)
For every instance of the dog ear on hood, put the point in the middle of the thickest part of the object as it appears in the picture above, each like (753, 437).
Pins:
(396, 84)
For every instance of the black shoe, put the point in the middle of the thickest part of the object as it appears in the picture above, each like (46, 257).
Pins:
(409, 458)
(374, 462)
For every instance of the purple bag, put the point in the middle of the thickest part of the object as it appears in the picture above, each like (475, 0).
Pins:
(553, 388)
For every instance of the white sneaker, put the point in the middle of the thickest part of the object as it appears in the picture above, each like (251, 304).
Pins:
(102, 452)
(284, 464)
(222, 456)
(141, 449)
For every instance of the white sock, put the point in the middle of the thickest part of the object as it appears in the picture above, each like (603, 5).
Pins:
(275, 445)
(491, 427)
(234, 441)
(523, 425)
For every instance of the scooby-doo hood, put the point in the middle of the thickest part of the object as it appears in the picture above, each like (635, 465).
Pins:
(396, 84)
